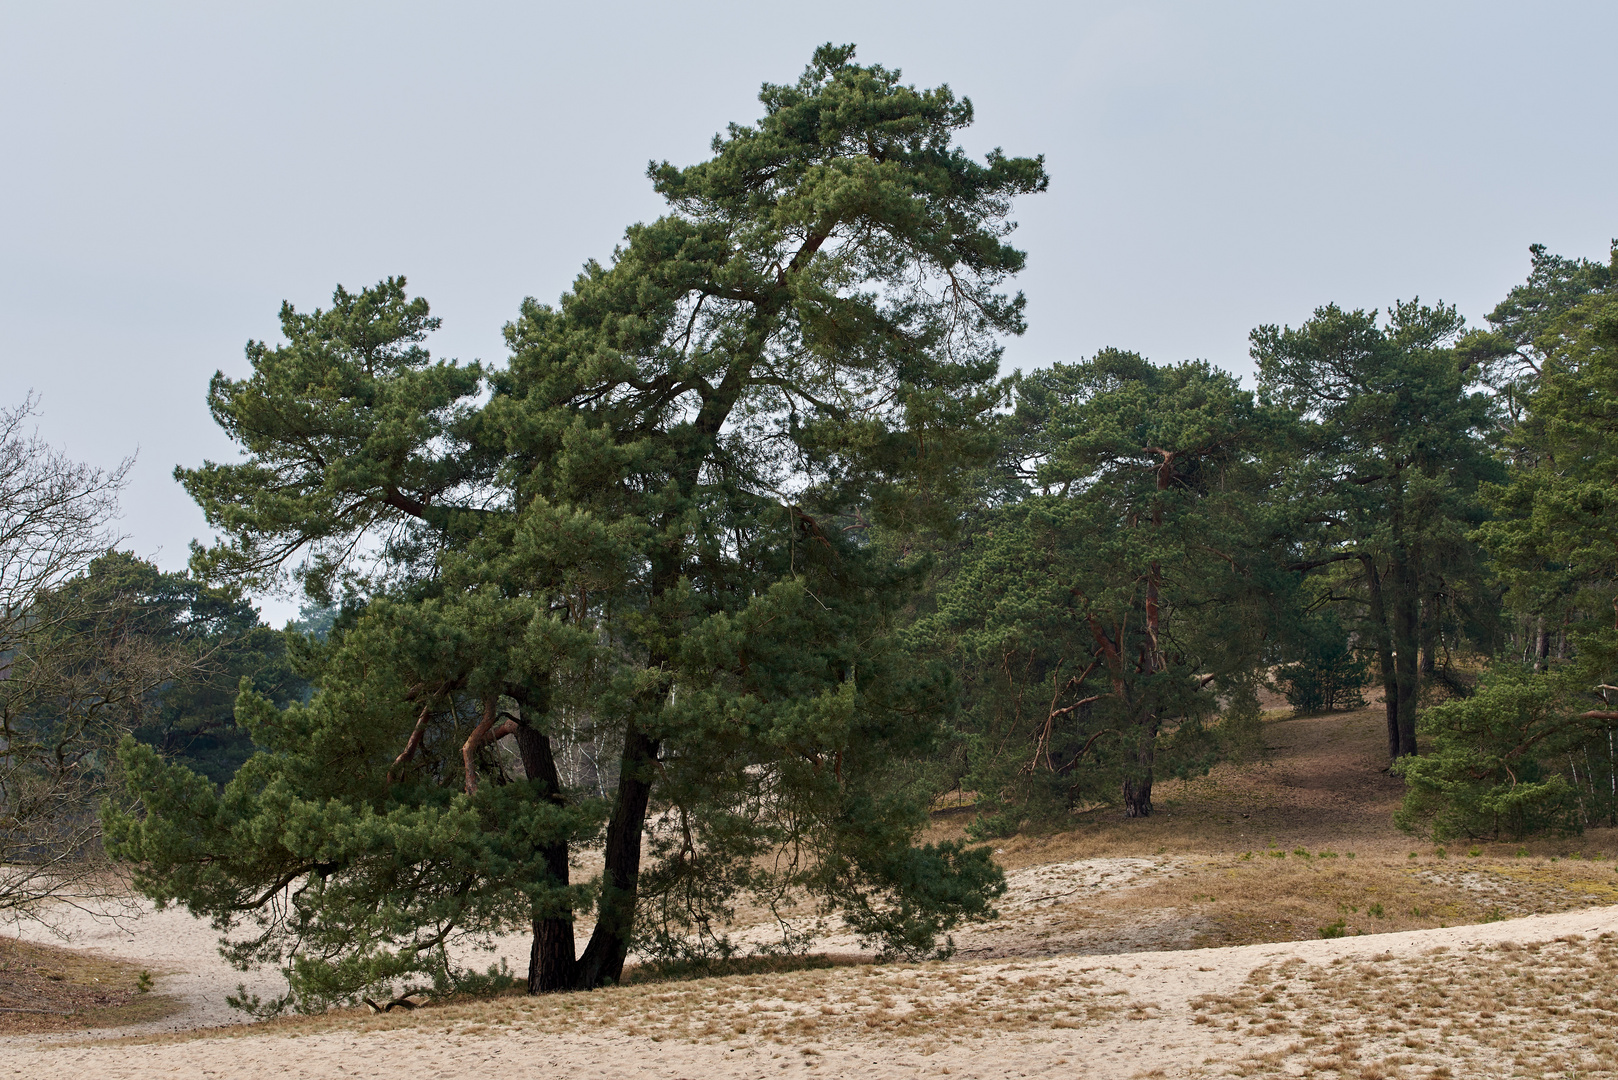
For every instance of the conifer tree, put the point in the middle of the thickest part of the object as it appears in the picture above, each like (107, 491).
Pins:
(1391, 449)
(629, 599)
(1123, 593)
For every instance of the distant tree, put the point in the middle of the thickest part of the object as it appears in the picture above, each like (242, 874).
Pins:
(1123, 594)
(1539, 748)
(630, 599)
(73, 678)
(1324, 673)
(1384, 475)
(1512, 353)
(191, 717)
(1526, 331)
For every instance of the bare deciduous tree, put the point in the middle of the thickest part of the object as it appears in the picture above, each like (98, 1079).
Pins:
(73, 674)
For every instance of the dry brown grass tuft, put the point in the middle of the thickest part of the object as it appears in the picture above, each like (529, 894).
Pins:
(46, 989)
(937, 1003)
(1540, 1010)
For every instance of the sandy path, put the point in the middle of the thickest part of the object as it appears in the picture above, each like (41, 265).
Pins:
(1153, 1027)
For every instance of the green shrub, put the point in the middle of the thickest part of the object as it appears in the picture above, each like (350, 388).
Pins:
(1487, 774)
(1326, 674)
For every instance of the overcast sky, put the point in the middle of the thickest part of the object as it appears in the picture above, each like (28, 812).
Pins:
(169, 173)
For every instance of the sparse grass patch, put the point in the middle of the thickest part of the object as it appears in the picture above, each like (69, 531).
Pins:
(936, 1001)
(718, 968)
(45, 988)
(1543, 1010)
(1236, 901)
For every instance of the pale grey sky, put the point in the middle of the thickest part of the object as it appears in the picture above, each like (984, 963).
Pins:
(170, 172)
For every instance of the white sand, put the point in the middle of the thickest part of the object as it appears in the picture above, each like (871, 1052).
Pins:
(183, 951)
(1163, 1037)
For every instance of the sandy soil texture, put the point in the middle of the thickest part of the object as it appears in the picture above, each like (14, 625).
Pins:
(1268, 921)
(1193, 1013)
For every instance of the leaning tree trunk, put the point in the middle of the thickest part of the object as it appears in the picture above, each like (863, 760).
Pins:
(603, 959)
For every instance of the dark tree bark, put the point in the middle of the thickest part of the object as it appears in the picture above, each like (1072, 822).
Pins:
(1406, 646)
(1138, 788)
(1430, 626)
(603, 959)
(1384, 653)
(551, 963)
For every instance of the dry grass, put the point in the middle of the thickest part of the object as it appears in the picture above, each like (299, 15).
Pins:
(1324, 785)
(1277, 895)
(45, 989)
(922, 1004)
(1282, 850)
(1278, 850)
(1538, 1010)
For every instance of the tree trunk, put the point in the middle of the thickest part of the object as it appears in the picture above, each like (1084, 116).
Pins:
(1138, 796)
(1138, 787)
(603, 959)
(1384, 654)
(1430, 625)
(551, 963)
(1406, 646)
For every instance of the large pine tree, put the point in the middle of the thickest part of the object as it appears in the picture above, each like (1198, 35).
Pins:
(642, 556)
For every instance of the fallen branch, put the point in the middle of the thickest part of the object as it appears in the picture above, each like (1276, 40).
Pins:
(402, 1002)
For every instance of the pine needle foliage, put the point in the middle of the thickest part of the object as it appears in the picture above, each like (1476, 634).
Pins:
(619, 593)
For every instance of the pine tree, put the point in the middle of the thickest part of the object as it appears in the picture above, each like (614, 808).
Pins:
(630, 598)
(1123, 593)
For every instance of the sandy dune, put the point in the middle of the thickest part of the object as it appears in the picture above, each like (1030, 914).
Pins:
(183, 952)
(1088, 973)
(1148, 1015)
